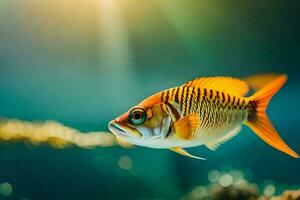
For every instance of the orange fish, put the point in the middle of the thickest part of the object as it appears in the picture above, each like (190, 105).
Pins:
(205, 111)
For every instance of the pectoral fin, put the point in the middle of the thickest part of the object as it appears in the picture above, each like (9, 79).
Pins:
(186, 127)
(185, 153)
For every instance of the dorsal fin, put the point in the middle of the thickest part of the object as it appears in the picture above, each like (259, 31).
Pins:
(228, 85)
(215, 144)
(258, 81)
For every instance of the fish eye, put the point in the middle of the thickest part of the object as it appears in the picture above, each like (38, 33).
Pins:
(137, 116)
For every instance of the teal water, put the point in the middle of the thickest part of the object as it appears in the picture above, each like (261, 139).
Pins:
(84, 63)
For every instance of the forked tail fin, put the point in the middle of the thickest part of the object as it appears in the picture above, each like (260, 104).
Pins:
(258, 120)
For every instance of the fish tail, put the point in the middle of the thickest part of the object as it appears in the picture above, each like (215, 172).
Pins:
(258, 120)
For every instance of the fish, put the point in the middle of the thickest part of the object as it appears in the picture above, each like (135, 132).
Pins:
(204, 111)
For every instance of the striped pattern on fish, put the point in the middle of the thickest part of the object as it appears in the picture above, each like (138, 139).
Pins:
(219, 112)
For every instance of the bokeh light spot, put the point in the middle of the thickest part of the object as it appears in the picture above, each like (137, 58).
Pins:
(125, 162)
(226, 180)
(213, 176)
(237, 175)
(6, 189)
(269, 190)
(199, 192)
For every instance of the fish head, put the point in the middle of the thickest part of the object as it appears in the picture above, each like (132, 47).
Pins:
(146, 124)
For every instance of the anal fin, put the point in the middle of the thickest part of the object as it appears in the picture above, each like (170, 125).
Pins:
(215, 144)
(185, 153)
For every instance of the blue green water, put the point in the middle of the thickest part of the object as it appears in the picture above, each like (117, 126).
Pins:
(84, 63)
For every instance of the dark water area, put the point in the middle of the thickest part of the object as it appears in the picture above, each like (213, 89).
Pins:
(83, 63)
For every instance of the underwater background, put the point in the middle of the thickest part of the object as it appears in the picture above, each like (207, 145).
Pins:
(84, 62)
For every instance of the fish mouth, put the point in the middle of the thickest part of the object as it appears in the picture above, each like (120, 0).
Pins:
(116, 129)
(123, 130)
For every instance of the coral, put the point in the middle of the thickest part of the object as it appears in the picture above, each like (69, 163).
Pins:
(241, 191)
(54, 134)
(286, 195)
(235, 192)
(232, 186)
